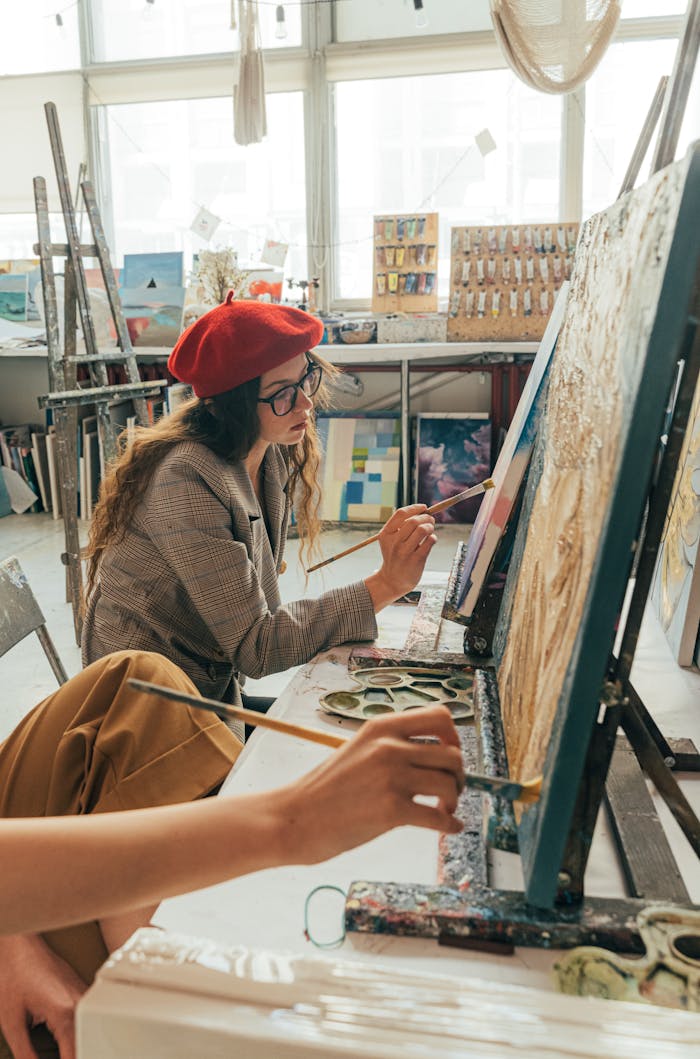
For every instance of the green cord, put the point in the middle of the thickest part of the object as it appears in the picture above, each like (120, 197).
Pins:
(307, 933)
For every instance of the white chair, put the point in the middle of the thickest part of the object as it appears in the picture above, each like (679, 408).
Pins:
(21, 615)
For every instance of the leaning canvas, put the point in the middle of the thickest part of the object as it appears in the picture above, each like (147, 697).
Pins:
(153, 270)
(452, 452)
(360, 474)
(499, 503)
(13, 296)
(676, 590)
(153, 316)
(633, 292)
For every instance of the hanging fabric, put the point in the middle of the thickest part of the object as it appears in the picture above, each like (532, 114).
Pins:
(249, 115)
(554, 45)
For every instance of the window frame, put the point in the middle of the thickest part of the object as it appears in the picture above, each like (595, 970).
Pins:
(314, 68)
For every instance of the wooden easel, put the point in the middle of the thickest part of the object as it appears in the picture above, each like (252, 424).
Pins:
(64, 397)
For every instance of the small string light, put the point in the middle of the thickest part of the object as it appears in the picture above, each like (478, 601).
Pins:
(280, 23)
(59, 19)
(421, 17)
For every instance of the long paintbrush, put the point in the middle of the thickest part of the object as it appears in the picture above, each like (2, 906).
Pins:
(515, 792)
(473, 490)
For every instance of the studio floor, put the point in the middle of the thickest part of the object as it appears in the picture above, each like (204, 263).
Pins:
(37, 542)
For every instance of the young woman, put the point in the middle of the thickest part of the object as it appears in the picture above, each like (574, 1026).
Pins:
(188, 537)
(95, 747)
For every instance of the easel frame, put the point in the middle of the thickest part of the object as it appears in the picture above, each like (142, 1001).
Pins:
(556, 873)
(64, 397)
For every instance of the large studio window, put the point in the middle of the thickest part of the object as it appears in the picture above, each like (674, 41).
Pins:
(407, 144)
(150, 29)
(618, 96)
(39, 36)
(166, 160)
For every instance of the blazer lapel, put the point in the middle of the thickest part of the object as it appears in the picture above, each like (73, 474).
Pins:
(275, 492)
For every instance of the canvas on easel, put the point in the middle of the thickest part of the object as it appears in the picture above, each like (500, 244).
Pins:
(625, 327)
(558, 691)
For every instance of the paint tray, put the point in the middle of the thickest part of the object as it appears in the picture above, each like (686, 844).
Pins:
(393, 690)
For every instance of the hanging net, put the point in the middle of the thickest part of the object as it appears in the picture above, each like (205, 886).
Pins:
(554, 45)
(249, 114)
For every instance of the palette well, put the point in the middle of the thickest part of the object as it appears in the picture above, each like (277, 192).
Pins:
(393, 690)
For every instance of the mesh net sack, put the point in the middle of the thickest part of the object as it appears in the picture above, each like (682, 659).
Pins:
(554, 45)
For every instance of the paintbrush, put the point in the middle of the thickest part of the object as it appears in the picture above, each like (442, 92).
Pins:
(238, 713)
(474, 490)
(516, 792)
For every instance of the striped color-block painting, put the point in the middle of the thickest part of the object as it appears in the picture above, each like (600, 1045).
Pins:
(360, 474)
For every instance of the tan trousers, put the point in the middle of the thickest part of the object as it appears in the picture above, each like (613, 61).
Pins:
(95, 746)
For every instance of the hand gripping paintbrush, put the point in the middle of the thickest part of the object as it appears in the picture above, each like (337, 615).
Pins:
(516, 792)
(474, 490)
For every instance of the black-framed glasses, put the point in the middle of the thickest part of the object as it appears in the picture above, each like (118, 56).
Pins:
(282, 402)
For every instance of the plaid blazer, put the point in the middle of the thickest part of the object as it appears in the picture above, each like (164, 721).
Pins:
(195, 579)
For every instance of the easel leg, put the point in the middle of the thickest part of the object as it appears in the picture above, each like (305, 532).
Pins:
(652, 762)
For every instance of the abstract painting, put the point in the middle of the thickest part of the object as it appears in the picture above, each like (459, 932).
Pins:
(453, 451)
(360, 474)
(499, 503)
(631, 298)
(676, 589)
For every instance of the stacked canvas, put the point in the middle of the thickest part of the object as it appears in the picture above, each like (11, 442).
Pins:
(360, 474)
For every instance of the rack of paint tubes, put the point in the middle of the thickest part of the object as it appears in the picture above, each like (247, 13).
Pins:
(405, 263)
(504, 279)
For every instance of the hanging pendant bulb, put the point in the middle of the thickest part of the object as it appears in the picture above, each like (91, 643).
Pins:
(281, 23)
(421, 17)
(148, 10)
(59, 20)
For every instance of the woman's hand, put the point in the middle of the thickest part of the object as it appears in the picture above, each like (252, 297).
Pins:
(368, 786)
(36, 986)
(406, 541)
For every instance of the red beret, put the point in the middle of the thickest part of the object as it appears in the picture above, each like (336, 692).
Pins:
(238, 341)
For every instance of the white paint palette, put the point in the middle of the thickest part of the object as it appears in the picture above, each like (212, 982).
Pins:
(393, 690)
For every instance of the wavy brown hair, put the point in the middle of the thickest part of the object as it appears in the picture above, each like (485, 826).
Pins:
(227, 424)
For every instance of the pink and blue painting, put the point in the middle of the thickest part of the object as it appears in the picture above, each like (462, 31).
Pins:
(360, 475)
(453, 451)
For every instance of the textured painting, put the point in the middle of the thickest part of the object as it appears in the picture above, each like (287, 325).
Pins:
(676, 590)
(613, 369)
(360, 475)
(498, 504)
(453, 451)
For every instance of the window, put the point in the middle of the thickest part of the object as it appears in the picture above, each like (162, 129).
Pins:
(379, 19)
(18, 234)
(139, 29)
(652, 8)
(39, 36)
(618, 96)
(166, 160)
(407, 144)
